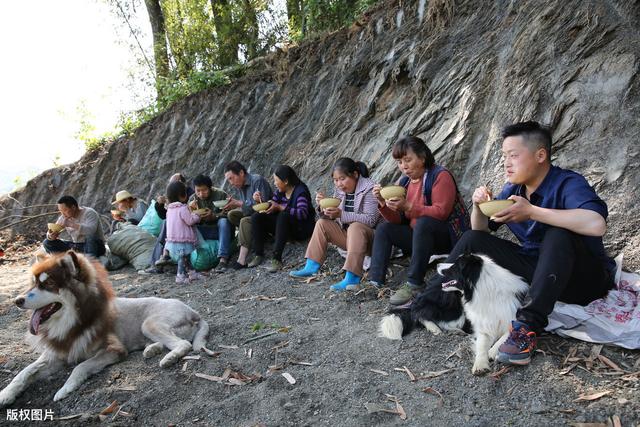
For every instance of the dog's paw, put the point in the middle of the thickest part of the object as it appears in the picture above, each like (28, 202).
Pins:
(61, 394)
(431, 327)
(169, 360)
(152, 350)
(480, 367)
(6, 399)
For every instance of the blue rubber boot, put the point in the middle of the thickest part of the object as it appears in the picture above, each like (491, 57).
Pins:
(349, 279)
(310, 268)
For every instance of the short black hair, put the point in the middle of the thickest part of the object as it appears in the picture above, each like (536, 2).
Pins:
(416, 145)
(68, 201)
(534, 134)
(235, 167)
(175, 191)
(202, 180)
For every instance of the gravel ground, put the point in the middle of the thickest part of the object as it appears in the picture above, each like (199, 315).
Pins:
(328, 344)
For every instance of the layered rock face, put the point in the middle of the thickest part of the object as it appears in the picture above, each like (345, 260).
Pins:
(454, 77)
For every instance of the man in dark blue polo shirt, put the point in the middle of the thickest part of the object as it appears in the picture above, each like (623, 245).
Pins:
(559, 221)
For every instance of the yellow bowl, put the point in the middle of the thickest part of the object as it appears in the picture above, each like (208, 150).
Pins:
(55, 228)
(117, 212)
(202, 211)
(220, 203)
(393, 192)
(260, 207)
(494, 206)
(329, 202)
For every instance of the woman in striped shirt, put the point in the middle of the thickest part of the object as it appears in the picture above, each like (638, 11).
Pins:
(349, 226)
(290, 215)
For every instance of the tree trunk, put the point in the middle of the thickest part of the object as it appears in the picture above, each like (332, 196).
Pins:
(226, 37)
(156, 18)
(295, 15)
(251, 30)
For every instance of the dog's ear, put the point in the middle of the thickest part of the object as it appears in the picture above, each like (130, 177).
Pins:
(441, 267)
(70, 263)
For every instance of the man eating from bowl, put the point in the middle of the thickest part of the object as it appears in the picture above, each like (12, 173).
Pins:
(244, 186)
(559, 221)
(208, 202)
(83, 226)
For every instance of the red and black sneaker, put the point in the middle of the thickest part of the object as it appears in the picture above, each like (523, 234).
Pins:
(519, 346)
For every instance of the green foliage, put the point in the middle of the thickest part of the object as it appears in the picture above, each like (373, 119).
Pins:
(311, 17)
(257, 326)
(209, 40)
(174, 89)
(86, 132)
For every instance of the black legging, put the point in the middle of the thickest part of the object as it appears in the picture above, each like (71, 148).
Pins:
(282, 225)
(429, 236)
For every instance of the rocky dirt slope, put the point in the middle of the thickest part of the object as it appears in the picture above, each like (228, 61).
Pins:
(452, 75)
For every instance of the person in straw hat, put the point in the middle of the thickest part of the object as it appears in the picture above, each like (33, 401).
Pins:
(132, 209)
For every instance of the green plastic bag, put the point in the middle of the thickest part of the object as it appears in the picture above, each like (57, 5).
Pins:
(151, 222)
(134, 244)
(206, 256)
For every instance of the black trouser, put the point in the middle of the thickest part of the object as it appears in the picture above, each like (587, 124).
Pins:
(429, 236)
(564, 270)
(92, 246)
(282, 225)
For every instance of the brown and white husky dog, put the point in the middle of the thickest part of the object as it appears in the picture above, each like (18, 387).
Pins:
(78, 319)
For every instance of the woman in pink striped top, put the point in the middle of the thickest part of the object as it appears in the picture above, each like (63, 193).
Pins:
(349, 226)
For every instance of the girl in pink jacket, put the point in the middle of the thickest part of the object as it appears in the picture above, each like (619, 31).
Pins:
(181, 231)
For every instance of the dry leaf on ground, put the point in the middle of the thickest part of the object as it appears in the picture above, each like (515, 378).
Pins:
(568, 369)
(433, 391)
(228, 347)
(499, 373)
(594, 396)
(211, 353)
(377, 371)
(609, 362)
(435, 374)
(295, 362)
(616, 421)
(110, 409)
(407, 371)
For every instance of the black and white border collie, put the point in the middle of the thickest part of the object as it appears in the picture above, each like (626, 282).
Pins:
(489, 294)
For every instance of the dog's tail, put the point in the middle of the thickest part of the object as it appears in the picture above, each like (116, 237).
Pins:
(396, 324)
(200, 338)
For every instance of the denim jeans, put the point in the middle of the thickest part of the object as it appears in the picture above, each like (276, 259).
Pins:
(223, 233)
